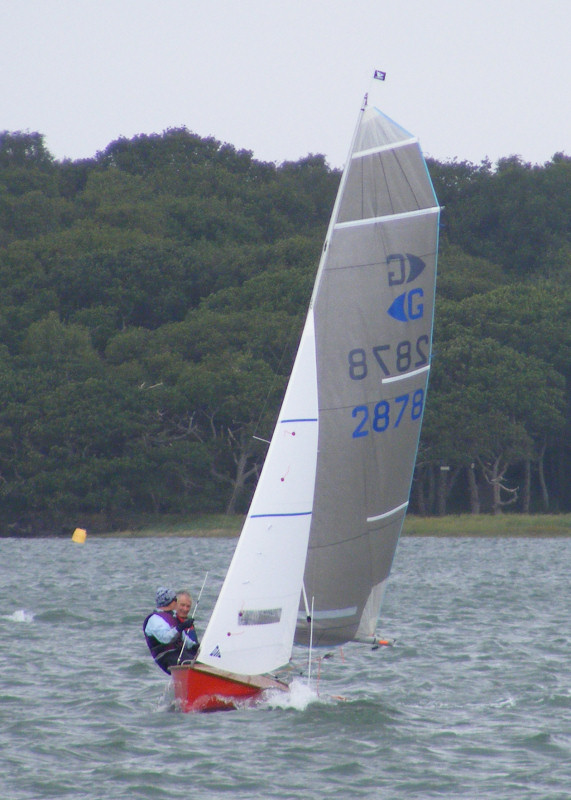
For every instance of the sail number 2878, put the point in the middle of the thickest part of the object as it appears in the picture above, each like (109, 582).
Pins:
(405, 355)
(387, 414)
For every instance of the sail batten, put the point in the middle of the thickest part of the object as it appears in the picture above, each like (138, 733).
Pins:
(390, 513)
(384, 148)
(419, 212)
(406, 375)
(335, 613)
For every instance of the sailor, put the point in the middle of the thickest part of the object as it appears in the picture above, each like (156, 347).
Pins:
(189, 637)
(163, 631)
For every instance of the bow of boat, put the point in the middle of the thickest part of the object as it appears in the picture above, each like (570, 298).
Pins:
(198, 687)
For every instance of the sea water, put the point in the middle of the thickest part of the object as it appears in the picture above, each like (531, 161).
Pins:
(472, 701)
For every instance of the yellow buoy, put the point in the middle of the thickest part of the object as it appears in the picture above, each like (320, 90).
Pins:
(79, 535)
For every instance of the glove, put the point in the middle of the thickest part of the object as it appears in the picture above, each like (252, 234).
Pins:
(185, 624)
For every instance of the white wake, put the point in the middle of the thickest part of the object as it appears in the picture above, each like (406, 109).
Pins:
(21, 615)
(299, 697)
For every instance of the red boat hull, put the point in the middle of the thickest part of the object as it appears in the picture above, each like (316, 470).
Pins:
(201, 688)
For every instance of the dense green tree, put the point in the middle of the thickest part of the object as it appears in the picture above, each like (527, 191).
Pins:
(517, 214)
(461, 275)
(493, 406)
(152, 301)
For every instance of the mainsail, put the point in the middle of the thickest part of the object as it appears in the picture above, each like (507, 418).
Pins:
(373, 305)
(329, 506)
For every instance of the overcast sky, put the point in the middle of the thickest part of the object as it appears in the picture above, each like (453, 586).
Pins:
(471, 78)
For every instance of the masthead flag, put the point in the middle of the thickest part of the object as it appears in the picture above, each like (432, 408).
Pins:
(379, 75)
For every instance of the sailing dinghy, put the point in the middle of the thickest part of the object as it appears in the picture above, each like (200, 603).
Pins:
(316, 549)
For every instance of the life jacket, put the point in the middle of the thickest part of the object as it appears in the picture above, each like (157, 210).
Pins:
(159, 649)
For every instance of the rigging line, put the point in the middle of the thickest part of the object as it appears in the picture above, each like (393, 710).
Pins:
(306, 604)
(310, 645)
(193, 616)
(200, 594)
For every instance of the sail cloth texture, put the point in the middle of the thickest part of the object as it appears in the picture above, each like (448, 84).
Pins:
(373, 306)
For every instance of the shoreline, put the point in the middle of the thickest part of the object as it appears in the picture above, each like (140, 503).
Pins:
(453, 525)
(221, 526)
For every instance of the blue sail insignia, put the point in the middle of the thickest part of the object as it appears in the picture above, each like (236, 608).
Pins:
(407, 306)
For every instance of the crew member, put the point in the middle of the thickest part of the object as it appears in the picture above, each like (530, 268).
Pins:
(162, 630)
(189, 637)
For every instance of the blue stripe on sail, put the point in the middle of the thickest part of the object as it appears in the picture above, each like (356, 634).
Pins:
(290, 514)
(302, 419)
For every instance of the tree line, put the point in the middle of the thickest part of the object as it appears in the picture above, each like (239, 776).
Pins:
(152, 302)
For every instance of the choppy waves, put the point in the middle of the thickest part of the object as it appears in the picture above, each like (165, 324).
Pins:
(472, 702)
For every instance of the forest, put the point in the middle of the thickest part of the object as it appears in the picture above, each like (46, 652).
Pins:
(153, 297)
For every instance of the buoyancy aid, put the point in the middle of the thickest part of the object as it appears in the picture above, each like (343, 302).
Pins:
(159, 649)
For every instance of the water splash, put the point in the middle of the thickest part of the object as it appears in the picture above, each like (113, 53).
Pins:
(299, 697)
(21, 615)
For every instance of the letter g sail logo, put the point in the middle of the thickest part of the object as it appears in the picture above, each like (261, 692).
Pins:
(407, 306)
(403, 268)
